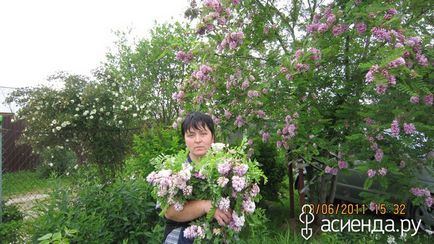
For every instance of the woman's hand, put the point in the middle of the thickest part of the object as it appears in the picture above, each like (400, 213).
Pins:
(223, 217)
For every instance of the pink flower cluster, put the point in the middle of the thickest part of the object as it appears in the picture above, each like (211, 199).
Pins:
(287, 132)
(252, 93)
(423, 192)
(178, 96)
(167, 182)
(339, 29)
(237, 222)
(428, 99)
(390, 13)
(194, 231)
(331, 170)
(203, 74)
(409, 128)
(396, 63)
(380, 172)
(184, 57)
(232, 40)
(316, 54)
(360, 27)
(381, 34)
(394, 127)
(317, 26)
(239, 121)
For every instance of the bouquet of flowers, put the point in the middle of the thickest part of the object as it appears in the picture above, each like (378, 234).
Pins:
(224, 175)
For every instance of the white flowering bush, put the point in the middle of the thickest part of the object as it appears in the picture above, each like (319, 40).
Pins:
(224, 175)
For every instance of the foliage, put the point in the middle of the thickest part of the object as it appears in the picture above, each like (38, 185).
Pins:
(148, 145)
(273, 168)
(112, 212)
(12, 221)
(323, 81)
(57, 161)
(57, 238)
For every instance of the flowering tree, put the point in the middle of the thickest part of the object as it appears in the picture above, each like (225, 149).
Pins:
(337, 83)
(96, 118)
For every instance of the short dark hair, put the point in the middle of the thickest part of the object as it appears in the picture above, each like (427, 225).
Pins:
(197, 120)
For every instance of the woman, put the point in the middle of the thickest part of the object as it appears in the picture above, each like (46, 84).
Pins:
(198, 132)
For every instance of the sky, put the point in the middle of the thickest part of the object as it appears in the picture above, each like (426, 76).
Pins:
(39, 38)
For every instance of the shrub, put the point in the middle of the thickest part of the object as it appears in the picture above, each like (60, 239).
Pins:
(12, 220)
(102, 213)
(57, 160)
(268, 157)
(151, 143)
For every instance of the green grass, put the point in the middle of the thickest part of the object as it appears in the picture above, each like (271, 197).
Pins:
(23, 182)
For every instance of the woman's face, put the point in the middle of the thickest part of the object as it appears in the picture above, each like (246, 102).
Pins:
(198, 141)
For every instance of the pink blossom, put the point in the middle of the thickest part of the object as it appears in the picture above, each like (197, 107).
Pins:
(224, 203)
(339, 29)
(239, 121)
(331, 170)
(249, 206)
(298, 53)
(250, 142)
(265, 136)
(222, 181)
(379, 137)
(232, 40)
(381, 34)
(420, 192)
(236, 2)
(291, 130)
(369, 121)
(372, 206)
(178, 206)
(395, 127)
(379, 154)
(428, 99)
(382, 171)
(391, 79)
(414, 99)
(283, 70)
(288, 76)
(342, 164)
(302, 67)
(397, 62)
(215, 4)
(390, 13)
(331, 19)
(245, 84)
(428, 201)
(241, 169)
(371, 173)
(260, 114)
(187, 190)
(421, 59)
(322, 28)
(255, 190)
(224, 168)
(238, 183)
(381, 89)
(228, 114)
(360, 27)
(194, 231)
(252, 93)
(184, 57)
(316, 54)
(237, 222)
(278, 144)
(409, 128)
